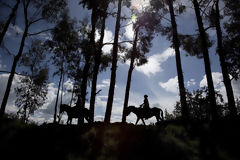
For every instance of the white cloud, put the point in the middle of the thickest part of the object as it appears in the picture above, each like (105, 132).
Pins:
(191, 82)
(14, 29)
(129, 33)
(219, 85)
(140, 4)
(2, 66)
(108, 38)
(217, 80)
(105, 83)
(68, 85)
(171, 85)
(154, 63)
(236, 88)
(11, 108)
(51, 97)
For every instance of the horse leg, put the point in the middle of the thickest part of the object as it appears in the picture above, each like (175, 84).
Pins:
(137, 121)
(157, 117)
(143, 121)
(68, 120)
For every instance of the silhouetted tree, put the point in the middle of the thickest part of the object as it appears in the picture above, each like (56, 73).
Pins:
(102, 12)
(10, 18)
(32, 90)
(231, 41)
(114, 66)
(204, 46)
(45, 10)
(130, 70)
(168, 116)
(114, 62)
(64, 42)
(176, 44)
(226, 79)
(76, 61)
(144, 29)
(172, 32)
(91, 49)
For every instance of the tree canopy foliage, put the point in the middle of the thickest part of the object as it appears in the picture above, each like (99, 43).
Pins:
(32, 90)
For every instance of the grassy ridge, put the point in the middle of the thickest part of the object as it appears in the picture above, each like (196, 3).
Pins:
(169, 140)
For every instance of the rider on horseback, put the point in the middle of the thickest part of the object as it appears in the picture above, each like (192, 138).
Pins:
(145, 104)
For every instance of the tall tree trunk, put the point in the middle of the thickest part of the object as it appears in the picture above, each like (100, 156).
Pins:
(82, 97)
(226, 79)
(72, 94)
(25, 114)
(26, 105)
(176, 43)
(131, 67)
(56, 103)
(62, 88)
(11, 76)
(114, 66)
(206, 61)
(97, 61)
(11, 16)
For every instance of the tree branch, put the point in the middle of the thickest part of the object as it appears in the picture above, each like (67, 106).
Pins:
(33, 34)
(212, 26)
(118, 43)
(15, 73)
(204, 10)
(126, 25)
(98, 92)
(39, 19)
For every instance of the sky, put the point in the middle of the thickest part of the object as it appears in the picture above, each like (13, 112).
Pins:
(157, 78)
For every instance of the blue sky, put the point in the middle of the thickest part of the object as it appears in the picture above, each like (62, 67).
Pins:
(157, 78)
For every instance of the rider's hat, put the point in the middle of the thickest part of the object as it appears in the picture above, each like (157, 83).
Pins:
(145, 96)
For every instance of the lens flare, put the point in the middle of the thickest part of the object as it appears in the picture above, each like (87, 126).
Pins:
(134, 17)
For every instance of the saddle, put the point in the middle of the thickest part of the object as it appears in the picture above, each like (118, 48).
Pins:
(147, 112)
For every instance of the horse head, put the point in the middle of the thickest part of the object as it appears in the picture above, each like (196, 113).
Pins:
(63, 108)
(129, 109)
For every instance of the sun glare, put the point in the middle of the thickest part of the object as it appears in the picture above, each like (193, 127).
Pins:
(139, 4)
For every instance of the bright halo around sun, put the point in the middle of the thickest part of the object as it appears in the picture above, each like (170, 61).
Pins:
(139, 4)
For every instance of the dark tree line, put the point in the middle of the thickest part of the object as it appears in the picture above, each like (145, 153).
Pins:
(77, 54)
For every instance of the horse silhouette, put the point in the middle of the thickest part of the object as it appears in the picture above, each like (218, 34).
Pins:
(142, 113)
(74, 112)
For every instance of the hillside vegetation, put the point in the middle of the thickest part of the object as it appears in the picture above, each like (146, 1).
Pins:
(168, 140)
